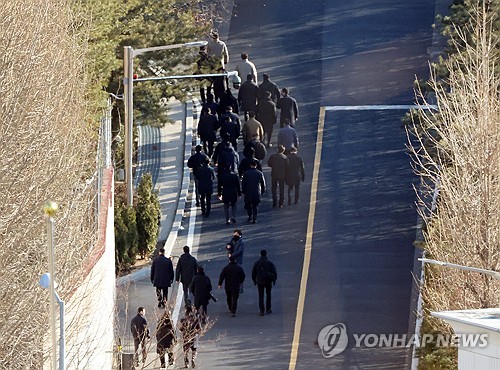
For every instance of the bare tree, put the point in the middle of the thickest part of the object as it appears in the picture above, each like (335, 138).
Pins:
(46, 153)
(457, 149)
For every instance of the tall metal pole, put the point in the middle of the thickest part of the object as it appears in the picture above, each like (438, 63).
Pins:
(128, 100)
(62, 334)
(50, 209)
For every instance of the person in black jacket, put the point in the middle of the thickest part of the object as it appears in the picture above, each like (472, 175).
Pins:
(140, 332)
(201, 287)
(247, 96)
(264, 276)
(294, 174)
(234, 276)
(249, 158)
(289, 110)
(195, 162)
(228, 100)
(185, 271)
(268, 86)
(253, 186)
(279, 165)
(164, 339)
(228, 190)
(206, 176)
(267, 115)
(207, 127)
(230, 124)
(162, 276)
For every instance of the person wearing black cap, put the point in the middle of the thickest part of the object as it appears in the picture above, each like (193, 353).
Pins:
(233, 276)
(264, 276)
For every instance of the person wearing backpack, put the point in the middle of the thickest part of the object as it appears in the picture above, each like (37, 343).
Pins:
(264, 276)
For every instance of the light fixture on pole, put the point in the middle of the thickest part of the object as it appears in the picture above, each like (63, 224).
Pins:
(46, 282)
(128, 84)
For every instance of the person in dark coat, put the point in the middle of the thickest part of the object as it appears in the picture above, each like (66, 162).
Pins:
(195, 162)
(207, 129)
(165, 339)
(295, 174)
(259, 148)
(268, 86)
(190, 327)
(266, 114)
(140, 333)
(233, 276)
(288, 107)
(185, 271)
(287, 136)
(228, 100)
(227, 159)
(264, 276)
(279, 165)
(236, 247)
(247, 96)
(221, 144)
(249, 158)
(228, 190)
(162, 276)
(252, 187)
(204, 67)
(219, 84)
(206, 176)
(201, 287)
(212, 106)
(230, 124)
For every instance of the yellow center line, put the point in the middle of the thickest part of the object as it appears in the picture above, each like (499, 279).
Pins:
(308, 246)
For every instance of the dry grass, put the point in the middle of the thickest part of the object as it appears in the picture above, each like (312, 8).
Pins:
(46, 153)
(463, 158)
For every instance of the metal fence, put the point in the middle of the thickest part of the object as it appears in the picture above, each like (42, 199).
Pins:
(103, 157)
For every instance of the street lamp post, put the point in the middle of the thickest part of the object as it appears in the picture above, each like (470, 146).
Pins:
(50, 209)
(128, 84)
(46, 282)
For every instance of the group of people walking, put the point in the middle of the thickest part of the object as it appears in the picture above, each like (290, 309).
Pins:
(220, 161)
(197, 293)
(216, 163)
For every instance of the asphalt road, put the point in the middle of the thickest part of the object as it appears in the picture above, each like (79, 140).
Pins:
(329, 53)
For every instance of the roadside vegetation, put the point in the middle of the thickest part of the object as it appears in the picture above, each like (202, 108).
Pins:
(60, 59)
(457, 153)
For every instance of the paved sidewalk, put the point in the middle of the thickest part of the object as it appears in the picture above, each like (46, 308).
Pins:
(162, 152)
